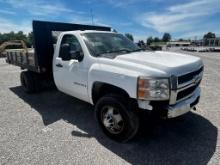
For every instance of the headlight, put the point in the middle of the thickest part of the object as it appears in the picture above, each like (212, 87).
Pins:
(153, 89)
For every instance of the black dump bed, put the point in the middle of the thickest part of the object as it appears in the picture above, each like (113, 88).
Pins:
(40, 59)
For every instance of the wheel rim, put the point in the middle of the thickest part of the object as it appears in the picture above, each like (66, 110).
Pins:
(112, 119)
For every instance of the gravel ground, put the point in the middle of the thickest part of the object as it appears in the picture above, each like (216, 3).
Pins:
(53, 128)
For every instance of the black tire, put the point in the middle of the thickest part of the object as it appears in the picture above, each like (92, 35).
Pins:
(28, 81)
(126, 110)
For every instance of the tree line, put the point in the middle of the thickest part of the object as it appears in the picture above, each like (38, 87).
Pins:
(166, 38)
(27, 38)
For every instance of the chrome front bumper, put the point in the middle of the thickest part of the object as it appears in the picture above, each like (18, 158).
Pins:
(184, 106)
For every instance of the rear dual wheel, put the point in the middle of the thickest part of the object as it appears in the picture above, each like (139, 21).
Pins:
(29, 81)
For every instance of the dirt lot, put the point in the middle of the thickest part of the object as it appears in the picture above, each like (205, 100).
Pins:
(53, 128)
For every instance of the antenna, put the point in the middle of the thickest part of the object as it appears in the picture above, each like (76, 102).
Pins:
(91, 12)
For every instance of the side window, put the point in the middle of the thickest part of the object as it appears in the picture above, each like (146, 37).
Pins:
(73, 45)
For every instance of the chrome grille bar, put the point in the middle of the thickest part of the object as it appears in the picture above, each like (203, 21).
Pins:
(190, 79)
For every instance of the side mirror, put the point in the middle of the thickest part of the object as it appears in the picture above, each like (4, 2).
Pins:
(77, 55)
(65, 52)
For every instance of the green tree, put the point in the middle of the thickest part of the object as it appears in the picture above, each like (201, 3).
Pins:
(209, 35)
(166, 37)
(21, 36)
(129, 36)
(141, 44)
(30, 39)
(150, 40)
(156, 39)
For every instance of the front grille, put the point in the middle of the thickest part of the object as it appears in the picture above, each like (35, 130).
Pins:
(189, 76)
(186, 92)
(185, 85)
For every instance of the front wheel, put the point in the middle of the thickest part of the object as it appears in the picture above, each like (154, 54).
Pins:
(117, 120)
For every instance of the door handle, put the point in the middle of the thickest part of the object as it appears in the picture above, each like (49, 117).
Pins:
(59, 65)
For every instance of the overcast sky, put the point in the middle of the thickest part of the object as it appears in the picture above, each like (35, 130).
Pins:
(142, 18)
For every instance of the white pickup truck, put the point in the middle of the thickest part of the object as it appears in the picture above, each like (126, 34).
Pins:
(111, 72)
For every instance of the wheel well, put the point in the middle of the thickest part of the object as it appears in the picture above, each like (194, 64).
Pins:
(100, 89)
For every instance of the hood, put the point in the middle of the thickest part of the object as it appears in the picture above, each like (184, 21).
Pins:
(167, 63)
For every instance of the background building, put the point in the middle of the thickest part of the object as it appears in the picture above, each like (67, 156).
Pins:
(178, 43)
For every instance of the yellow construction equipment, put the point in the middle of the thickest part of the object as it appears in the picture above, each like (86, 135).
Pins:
(11, 43)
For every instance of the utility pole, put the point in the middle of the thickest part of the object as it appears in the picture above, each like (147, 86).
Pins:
(91, 12)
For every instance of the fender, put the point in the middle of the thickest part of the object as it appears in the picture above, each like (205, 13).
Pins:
(113, 75)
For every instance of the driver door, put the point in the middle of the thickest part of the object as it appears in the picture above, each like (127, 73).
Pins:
(70, 73)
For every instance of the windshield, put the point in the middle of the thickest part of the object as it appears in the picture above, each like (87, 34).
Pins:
(108, 44)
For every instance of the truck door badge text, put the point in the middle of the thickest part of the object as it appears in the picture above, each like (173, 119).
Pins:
(83, 85)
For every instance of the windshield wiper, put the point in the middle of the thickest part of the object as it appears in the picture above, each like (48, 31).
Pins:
(137, 50)
(115, 51)
(120, 50)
